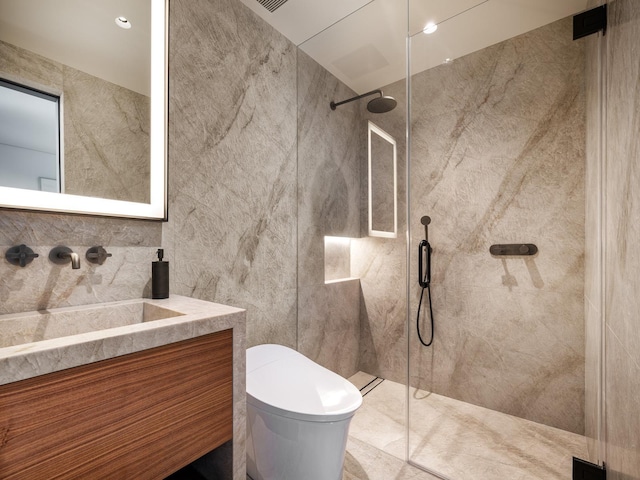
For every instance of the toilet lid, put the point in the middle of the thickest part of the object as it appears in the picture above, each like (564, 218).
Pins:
(287, 383)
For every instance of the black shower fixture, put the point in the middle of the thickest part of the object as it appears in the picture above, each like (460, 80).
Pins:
(381, 104)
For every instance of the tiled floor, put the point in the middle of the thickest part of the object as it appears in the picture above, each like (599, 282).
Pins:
(456, 439)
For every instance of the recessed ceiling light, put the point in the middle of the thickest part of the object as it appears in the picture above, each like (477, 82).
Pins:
(430, 28)
(122, 22)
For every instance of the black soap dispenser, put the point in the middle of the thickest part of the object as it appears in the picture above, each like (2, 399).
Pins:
(160, 277)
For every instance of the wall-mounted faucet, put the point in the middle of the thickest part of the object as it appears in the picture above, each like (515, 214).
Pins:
(97, 255)
(20, 255)
(62, 255)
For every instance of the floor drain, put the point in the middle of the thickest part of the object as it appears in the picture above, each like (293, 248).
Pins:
(371, 385)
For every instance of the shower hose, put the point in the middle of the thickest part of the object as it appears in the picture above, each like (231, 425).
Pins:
(427, 287)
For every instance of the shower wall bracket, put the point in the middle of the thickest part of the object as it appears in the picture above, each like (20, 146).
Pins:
(583, 470)
(516, 249)
(590, 22)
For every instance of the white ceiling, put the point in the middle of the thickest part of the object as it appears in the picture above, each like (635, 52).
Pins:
(83, 34)
(362, 42)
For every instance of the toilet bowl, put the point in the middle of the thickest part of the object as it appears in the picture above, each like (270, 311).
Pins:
(298, 416)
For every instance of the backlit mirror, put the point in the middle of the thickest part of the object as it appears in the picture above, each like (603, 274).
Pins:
(83, 106)
(383, 183)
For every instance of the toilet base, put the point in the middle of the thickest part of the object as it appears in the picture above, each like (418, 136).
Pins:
(290, 449)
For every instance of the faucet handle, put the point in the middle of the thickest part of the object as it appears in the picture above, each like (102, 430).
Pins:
(20, 255)
(97, 255)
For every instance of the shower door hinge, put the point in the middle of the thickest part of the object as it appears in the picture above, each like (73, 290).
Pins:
(583, 470)
(591, 21)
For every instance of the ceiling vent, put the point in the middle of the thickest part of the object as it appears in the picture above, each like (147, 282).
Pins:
(272, 5)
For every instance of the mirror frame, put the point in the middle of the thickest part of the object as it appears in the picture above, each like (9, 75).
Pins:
(21, 199)
(385, 136)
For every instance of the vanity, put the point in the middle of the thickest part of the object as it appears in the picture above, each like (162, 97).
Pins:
(130, 389)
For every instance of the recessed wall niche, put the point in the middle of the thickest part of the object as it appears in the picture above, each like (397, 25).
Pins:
(337, 259)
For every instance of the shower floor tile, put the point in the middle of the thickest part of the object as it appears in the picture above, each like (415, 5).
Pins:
(364, 462)
(461, 441)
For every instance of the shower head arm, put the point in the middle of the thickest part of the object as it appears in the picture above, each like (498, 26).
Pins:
(333, 105)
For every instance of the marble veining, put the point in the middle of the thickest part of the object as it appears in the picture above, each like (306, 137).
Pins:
(380, 263)
(328, 327)
(231, 234)
(331, 144)
(504, 163)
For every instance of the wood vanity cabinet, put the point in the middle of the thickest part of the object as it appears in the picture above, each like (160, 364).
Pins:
(139, 416)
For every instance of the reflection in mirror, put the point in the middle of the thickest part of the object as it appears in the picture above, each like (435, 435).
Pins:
(29, 138)
(111, 85)
(383, 183)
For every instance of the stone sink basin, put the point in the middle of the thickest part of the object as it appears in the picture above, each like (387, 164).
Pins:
(40, 342)
(63, 322)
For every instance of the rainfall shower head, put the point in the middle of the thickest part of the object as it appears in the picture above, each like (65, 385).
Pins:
(381, 104)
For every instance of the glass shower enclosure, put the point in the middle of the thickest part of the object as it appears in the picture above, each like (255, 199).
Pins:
(448, 249)
(502, 101)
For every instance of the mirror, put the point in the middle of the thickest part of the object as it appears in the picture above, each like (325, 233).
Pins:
(383, 183)
(106, 63)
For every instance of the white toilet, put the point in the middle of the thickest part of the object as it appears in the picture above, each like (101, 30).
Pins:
(298, 416)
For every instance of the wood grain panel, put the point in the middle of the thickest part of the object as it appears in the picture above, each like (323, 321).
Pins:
(139, 416)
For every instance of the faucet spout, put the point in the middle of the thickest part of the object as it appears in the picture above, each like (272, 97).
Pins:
(75, 260)
(63, 255)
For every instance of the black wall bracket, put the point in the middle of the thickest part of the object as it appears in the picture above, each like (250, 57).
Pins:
(591, 21)
(583, 470)
(518, 249)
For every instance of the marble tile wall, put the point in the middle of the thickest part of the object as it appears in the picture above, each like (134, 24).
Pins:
(504, 163)
(106, 126)
(622, 230)
(497, 157)
(42, 285)
(380, 263)
(331, 145)
(231, 235)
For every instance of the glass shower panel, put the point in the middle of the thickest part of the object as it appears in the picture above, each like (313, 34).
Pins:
(351, 285)
(497, 136)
